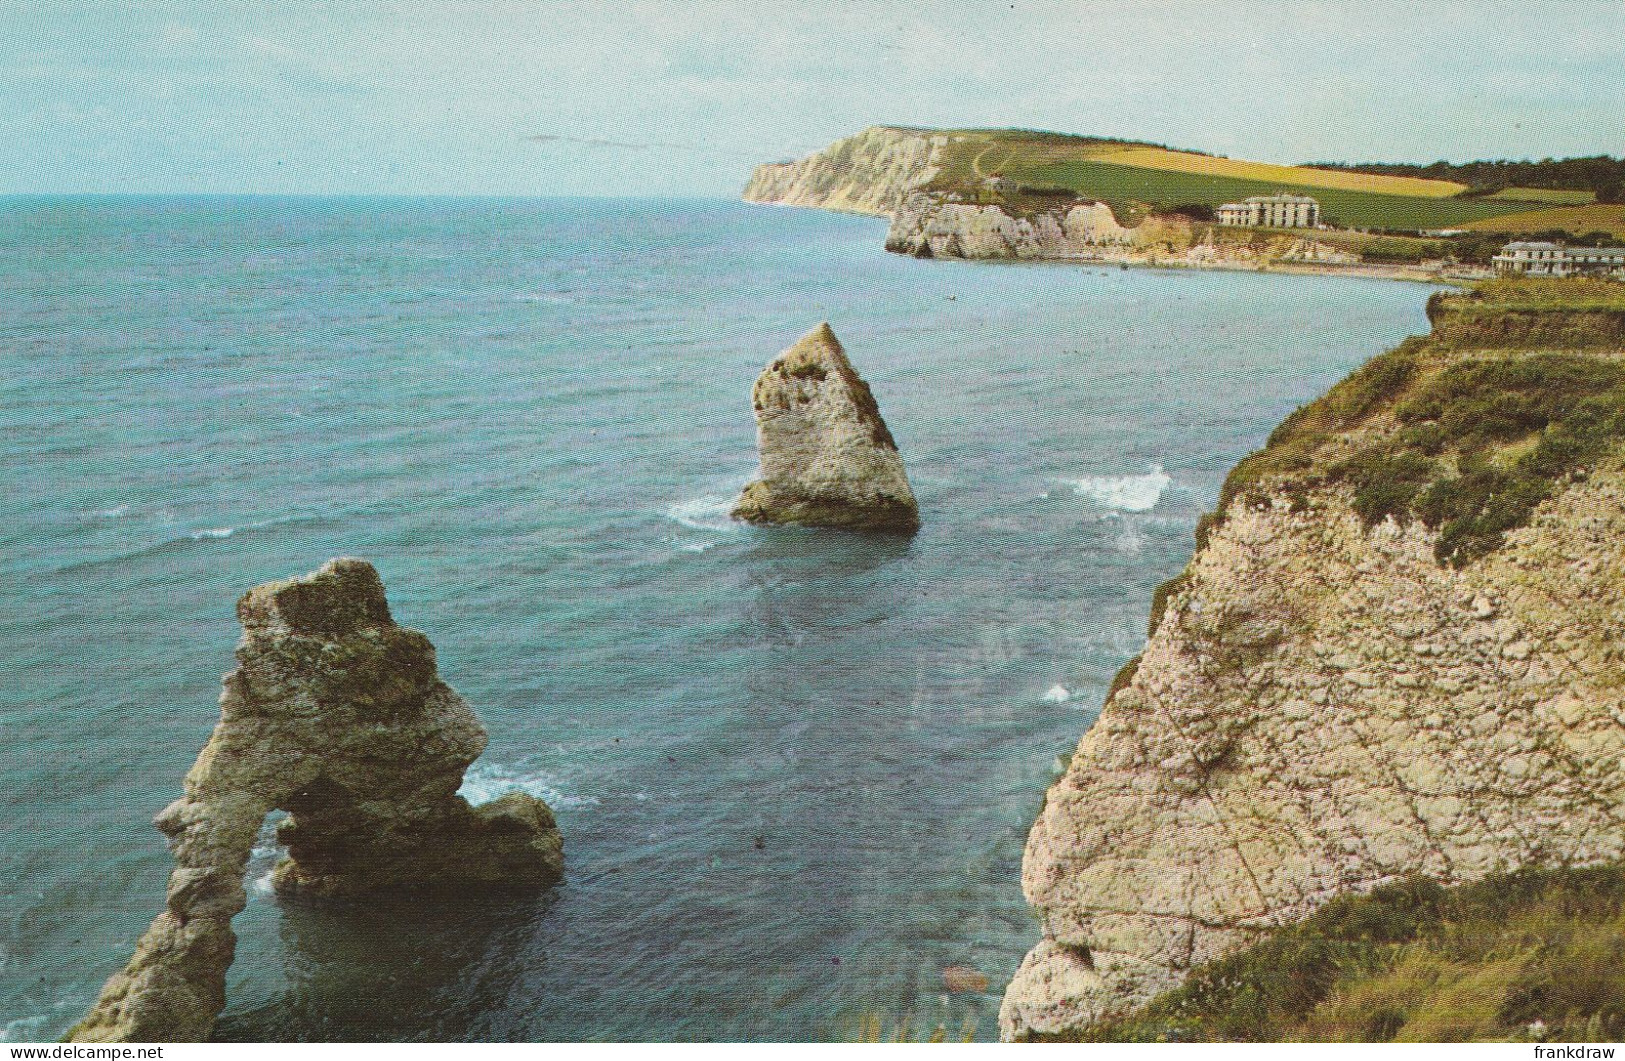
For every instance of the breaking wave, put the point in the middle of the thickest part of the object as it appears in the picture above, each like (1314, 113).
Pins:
(23, 1029)
(265, 855)
(487, 781)
(1127, 493)
(706, 513)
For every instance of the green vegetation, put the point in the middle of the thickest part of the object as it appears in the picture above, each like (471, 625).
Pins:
(1124, 677)
(1047, 164)
(1159, 601)
(1132, 192)
(1535, 954)
(1470, 444)
(1560, 222)
(1600, 175)
(1555, 196)
(1572, 295)
(1484, 442)
(1398, 250)
(1138, 180)
(1289, 458)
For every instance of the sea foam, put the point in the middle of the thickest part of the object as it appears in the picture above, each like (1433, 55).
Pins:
(487, 781)
(1127, 493)
(23, 1029)
(706, 513)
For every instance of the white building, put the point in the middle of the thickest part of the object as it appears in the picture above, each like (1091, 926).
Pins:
(1271, 211)
(1543, 258)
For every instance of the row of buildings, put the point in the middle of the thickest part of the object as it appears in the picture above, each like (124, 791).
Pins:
(1520, 257)
(1551, 258)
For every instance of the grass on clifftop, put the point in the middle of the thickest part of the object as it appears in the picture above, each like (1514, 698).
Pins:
(1536, 954)
(1484, 442)
(1593, 217)
(1572, 295)
(1468, 443)
(1136, 180)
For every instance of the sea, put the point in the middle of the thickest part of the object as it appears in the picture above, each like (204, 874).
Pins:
(794, 768)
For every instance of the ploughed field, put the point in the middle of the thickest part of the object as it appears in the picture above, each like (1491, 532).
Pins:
(1136, 179)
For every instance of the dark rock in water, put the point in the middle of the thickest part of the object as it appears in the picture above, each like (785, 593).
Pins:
(963, 978)
(827, 457)
(339, 717)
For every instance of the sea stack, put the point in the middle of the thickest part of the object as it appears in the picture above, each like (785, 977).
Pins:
(827, 457)
(338, 716)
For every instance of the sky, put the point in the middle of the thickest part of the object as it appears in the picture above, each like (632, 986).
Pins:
(636, 97)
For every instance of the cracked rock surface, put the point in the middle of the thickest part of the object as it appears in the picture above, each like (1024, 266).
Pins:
(338, 716)
(1325, 709)
(828, 459)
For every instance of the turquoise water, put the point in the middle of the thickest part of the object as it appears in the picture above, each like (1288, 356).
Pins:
(531, 415)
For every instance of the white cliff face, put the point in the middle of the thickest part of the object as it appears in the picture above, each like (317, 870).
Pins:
(889, 172)
(870, 173)
(1324, 709)
(928, 226)
(828, 459)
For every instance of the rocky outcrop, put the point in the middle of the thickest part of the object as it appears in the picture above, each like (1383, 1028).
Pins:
(894, 173)
(931, 226)
(870, 173)
(827, 458)
(934, 225)
(1324, 706)
(338, 716)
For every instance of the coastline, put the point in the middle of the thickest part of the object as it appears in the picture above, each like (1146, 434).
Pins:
(1438, 275)
(1180, 833)
(1275, 746)
(786, 716)
(1361, 270)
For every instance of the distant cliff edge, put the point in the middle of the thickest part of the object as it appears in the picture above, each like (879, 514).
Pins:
(945, 195)
(870, 173)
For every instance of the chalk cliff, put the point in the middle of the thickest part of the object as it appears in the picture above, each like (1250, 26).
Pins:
(1397, 651)
(828, 459)
(336, 715)
(931, 225)
(870, 173)
(894, 173)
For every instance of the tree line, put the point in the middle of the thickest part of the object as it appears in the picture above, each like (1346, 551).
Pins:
(1602, 174)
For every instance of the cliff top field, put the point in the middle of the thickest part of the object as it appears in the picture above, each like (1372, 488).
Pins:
(1537, 293)
(1136, 179)
(1580, 220)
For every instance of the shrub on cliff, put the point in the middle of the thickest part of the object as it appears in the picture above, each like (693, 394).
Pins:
(1474, 448)
(1194, 211)
(1535, 954)
(1555, 412)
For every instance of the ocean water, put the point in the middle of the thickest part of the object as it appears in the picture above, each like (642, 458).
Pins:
(794, 769)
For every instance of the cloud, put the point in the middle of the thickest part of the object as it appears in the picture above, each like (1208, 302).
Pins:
(632, 145)
(408, 97)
